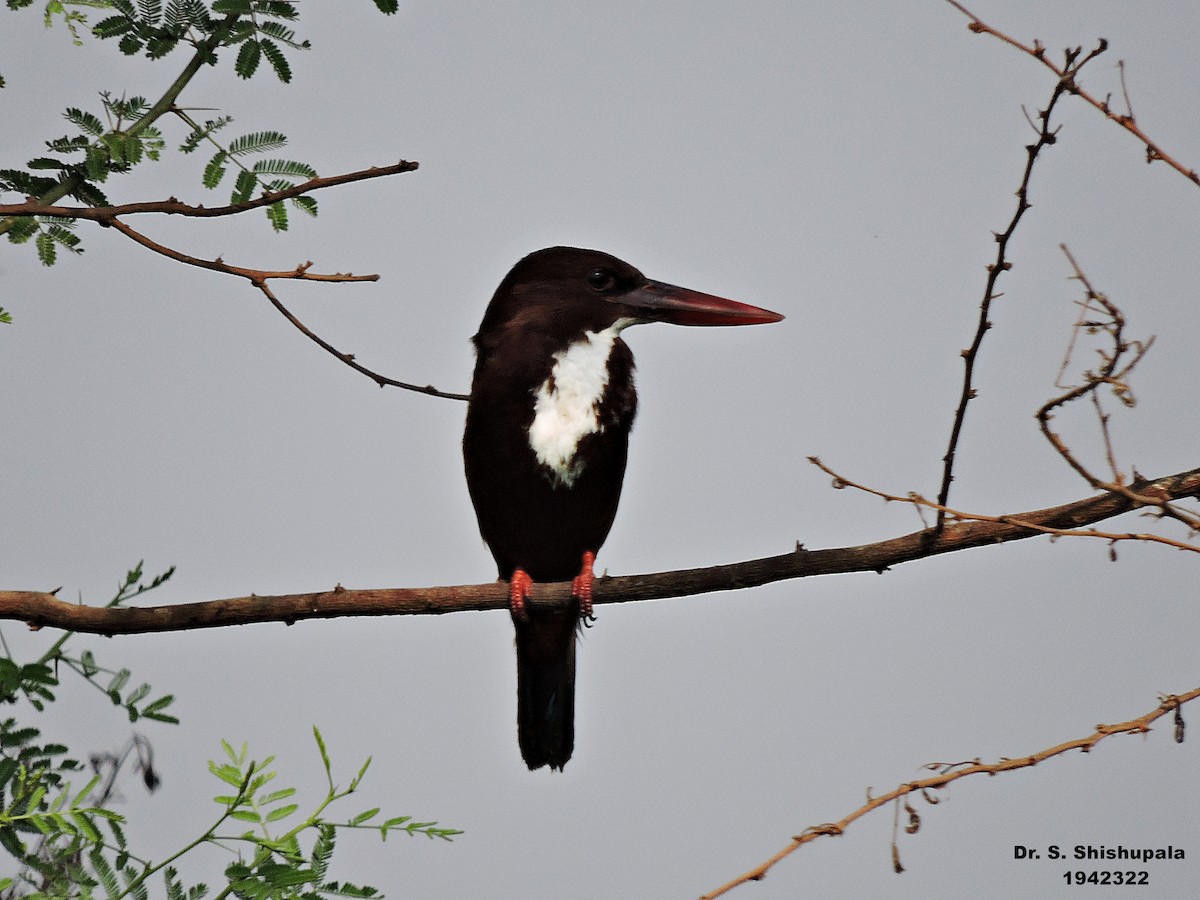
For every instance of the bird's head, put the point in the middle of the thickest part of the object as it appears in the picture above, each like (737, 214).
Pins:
(567, 290)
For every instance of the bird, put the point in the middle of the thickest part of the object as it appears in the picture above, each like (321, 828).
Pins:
(545, 445)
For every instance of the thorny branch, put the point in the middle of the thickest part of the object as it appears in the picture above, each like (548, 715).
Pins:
(949, 772)
(1067, 76)
(1046, 135)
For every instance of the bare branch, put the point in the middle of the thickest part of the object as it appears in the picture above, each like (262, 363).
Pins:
(40, 609)
(949, 772)
(1099, 314)
(958, 515)
(259, 279)
(1126, 120)
(1046, 135)
(348, 358)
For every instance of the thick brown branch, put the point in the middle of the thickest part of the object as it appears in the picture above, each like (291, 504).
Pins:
(40, 609)
(948, 772)
(172, 207)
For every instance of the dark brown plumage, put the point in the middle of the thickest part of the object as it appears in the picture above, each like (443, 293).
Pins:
(547, 435)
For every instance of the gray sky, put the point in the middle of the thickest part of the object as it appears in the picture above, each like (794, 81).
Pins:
(842, 164)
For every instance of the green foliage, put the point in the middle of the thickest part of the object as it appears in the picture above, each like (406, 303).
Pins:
(68, 844)
(123, 133)
(64, 841)
(277, 864)
(250, 178)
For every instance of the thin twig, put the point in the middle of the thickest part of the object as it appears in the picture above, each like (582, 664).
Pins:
(259, 279)
(958, 515)
(1046, 135)
(950, 772)
(1154, 153)
(1116, 365)
(173, 207)
(348, 358)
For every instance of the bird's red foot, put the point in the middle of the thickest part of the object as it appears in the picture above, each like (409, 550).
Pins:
(581, 587)
(518, 593)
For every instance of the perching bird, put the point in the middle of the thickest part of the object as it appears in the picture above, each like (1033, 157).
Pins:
(552, 403)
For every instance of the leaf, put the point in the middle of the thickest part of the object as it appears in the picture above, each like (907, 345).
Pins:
(324, 753)
(226, 7)
(96, 161)
(363, 816)
(248, 58)
(278, 61)
(153, 710)
(45, 249)
(38, 672)
(215, 170)
(160, 45)
(104, 872)
(85, 121)
(85, 826)
(130, 44)
(305, 204)
(139, 693)
(227, 773)
(257, 142)
(150, 11)
(118, 682)
(354, 783)
(113, 26)
(276, 796)
(282, 812)
(277, 216)
(289, 167)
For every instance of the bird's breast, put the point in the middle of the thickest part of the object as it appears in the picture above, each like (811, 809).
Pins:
(570, 404)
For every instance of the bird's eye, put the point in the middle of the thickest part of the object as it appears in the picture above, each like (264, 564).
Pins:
(601, 279)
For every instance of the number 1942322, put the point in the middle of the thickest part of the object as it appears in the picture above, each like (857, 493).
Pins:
(1079, 876)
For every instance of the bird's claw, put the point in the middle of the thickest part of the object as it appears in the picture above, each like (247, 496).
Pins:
(581, 588)
(518, 593)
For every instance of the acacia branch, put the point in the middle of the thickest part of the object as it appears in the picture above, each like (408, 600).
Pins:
(106, 215)
(1126, 120)
(948, 772)
(204, 54)
(40, 609)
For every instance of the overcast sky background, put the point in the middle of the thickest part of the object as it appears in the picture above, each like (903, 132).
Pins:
(843, 164)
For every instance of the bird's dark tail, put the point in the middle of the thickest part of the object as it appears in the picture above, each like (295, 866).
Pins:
(546, 688)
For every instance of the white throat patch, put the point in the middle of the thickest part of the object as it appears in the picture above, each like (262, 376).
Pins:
(566, 404)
